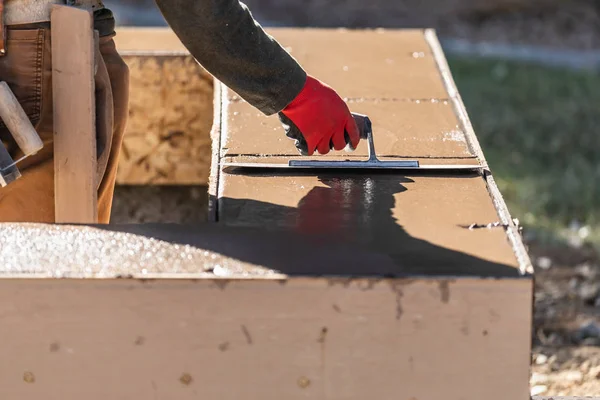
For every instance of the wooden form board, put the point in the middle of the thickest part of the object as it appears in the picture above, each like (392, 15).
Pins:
(264, 339)
(73, 70)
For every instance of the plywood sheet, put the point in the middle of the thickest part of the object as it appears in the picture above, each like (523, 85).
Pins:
(167, 140)
(419, 221)
(413, 129)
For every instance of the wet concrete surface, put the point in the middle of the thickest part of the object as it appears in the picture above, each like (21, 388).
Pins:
(420, 222)
(372, 64)
(412, 128)
(130, 40)
(192, 251)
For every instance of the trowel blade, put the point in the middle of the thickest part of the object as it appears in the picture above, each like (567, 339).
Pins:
(353, 165)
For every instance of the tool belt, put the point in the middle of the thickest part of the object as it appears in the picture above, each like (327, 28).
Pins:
(16, 12)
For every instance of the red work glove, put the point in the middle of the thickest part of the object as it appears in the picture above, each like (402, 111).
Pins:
(318, 119)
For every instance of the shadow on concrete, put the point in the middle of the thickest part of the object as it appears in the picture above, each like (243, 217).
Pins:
(345, 228)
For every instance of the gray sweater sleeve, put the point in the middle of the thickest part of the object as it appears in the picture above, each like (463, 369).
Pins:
(224, 38)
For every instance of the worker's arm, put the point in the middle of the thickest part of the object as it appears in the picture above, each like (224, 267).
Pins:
(226, 40)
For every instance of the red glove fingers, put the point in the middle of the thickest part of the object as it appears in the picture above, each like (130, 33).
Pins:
(319, 119)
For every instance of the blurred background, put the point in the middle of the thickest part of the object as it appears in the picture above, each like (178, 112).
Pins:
(528, 73)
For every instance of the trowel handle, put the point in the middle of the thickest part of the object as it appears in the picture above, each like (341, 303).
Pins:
(364, 125)
(17, 122)
(366, 133)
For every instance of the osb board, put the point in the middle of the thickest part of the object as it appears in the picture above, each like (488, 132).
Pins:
(170, 116)
(280, 198)
(420, 222)
(409, 129)
(327, 338)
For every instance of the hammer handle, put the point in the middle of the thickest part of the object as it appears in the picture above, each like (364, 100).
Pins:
(18, 122)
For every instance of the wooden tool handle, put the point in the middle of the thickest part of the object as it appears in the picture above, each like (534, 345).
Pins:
(17, 122)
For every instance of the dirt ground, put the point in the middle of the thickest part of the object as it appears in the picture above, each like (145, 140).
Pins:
(565, 25)
(566, 334)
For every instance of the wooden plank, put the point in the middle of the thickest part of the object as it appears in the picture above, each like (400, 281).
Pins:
(73, 59)
(318, 338)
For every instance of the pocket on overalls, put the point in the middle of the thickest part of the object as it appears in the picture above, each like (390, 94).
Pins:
(22, 69)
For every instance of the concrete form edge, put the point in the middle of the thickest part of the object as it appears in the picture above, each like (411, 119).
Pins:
(215, 136)
(512, 232)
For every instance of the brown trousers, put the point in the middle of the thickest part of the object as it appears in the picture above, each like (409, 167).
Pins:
(27, 68)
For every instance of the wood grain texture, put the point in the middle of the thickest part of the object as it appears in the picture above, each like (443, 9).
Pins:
(17, 122)
(73, 55)
(315, 338)
(170, 114)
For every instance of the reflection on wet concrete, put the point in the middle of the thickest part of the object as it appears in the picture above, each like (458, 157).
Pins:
(357, 210)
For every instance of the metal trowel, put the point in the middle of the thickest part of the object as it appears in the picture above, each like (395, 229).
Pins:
(366, 132)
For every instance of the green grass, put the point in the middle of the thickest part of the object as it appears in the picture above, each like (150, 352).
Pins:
(540, 131)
